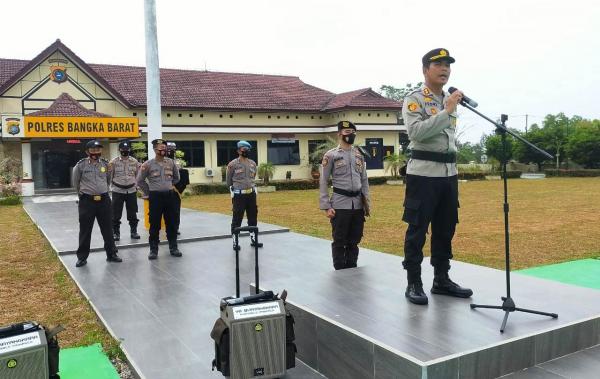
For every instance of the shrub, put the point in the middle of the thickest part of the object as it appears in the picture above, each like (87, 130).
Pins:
(573, 173)
(296, 184)
(207, 188)
(10, 200)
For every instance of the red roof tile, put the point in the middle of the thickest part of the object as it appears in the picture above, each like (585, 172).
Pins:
(65, 105)
(188, 89)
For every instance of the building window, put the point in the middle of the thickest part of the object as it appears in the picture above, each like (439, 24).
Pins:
(360, 114)
(312, 117)
(179, 115)
(227, 151)
(168, 115)
(250, 116)
(193, 152)
(201, 115)
(220, 116)
(278, 116)
(269, 116)
(288, 116)
(296, 117)
(191, 115)
(283, 153)
(230, 116)
(134, 114)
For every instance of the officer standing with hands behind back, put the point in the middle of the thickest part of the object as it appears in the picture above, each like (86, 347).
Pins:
(91, 180)
(161, 174)
(240, 180)
(350, 202)
(123, 172)
(431, 182)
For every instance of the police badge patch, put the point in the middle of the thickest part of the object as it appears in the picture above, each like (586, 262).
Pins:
(412, 107)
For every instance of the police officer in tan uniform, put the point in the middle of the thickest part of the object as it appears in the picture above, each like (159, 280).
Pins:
(123, 172)
(431, 182)
(91, 180)
(240, 176)
(156, 180)
(349, 203)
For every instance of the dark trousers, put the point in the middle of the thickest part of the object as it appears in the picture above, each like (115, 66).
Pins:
(130, 200)
(178, 212)
(347, 231)
(244, 203)
(162, 203)
(429, 201)
(90, 210)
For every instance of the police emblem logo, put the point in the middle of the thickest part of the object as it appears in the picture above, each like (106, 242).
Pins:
(12, 363)
(434, 111)
(58, 70)
(325, 161)
(426, 91)
(13, 125)
(258, 327)
(427, 99)
(412, 107)
(443, 53)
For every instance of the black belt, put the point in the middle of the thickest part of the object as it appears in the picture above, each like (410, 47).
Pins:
(433, 156)
(94, 197)
(346, 193)
(122, 186)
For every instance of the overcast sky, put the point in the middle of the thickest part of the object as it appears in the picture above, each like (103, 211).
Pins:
(513, 56)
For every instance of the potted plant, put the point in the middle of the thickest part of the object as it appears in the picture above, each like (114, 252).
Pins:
(315, 158)
(393, 163)
(265, 173)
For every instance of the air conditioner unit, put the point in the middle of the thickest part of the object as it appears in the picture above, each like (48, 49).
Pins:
(209, 172)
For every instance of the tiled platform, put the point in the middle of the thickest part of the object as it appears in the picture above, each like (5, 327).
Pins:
(57, 217)
(349, 324)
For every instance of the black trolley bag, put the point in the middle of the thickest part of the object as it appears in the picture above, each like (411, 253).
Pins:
(254, 336)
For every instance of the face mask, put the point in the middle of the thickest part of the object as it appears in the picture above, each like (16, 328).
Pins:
(162, 153)
(95, 156)
(349, 139)
(244, 153)
(124, 153)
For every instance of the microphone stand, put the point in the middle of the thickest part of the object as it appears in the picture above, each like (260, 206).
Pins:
(508, 304)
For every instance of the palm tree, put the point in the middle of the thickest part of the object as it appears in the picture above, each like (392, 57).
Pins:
(394, 162)
(266, 171)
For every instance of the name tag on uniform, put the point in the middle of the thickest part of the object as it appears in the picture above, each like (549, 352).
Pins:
(97, 197)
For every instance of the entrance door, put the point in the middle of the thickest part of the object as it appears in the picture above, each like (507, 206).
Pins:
(57, 169)
(374, 149)
(53, 162)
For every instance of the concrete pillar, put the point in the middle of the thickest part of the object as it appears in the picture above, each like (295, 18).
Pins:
(154, 121)
(27, 186)
(113, 150)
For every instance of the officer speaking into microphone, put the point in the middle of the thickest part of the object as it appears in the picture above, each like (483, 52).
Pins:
(91, 181)
(184, 180)
(350, 202)
(123, 172)
(240, 176)
(431, 182)
(156, 179)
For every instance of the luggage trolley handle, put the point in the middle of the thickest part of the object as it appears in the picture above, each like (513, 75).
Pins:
(236, 232)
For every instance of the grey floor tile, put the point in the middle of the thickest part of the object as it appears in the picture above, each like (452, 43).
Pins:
(533, 373)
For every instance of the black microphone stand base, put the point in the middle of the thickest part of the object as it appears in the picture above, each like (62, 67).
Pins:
(508, 306)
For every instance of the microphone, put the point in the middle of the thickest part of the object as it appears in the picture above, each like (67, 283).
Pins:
(465, 99)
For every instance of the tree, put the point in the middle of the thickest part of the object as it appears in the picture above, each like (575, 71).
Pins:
(493, 147)
(139, 151)
(468, 152)
(525, 154)
(316, 156)
(398, 94)
(265, 172)
(394, 162)
(584, 144)
(555, 135)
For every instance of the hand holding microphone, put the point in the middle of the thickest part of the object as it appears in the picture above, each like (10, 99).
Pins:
(453, 100)
(463, 98)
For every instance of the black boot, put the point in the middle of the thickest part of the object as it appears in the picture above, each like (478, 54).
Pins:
(81, 263)
(253, 242)
(173, 250)
(153, 251)
(415, 294)
(114, 258)
(134, 233)
(117, 233)
(442, 285)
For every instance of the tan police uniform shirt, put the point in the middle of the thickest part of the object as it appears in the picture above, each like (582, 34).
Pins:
(157, 175)
(123, 172)
(241, 173)
(430, 128)
(348, 171)
(91, 178)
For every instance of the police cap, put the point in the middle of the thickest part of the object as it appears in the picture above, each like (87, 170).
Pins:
(345, 125)
(436, 55)
(158, 141)
(93, 143)
(171, 146)
(124, 145)
(245, 144)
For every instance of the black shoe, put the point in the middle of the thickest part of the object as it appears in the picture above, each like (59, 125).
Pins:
(175, 252)
(134, 233)
(442, 285)
(415, 294)
(178, 232)
(153, 253)
(114, 258)
(81, 263)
